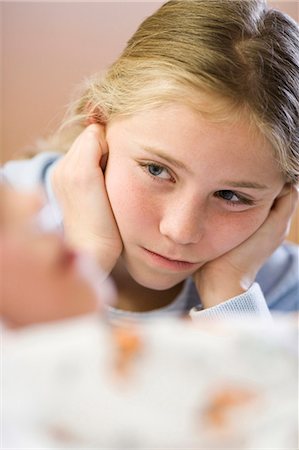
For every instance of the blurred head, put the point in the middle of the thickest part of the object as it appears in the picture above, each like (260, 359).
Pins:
(40, 276)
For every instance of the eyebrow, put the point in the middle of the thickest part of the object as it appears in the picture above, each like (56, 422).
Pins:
(245, 184)
(169, 159)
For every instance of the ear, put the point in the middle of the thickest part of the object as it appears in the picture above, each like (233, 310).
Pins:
(90, 120)
(94, 115)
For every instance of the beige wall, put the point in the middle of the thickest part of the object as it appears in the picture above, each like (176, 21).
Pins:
(48, 48)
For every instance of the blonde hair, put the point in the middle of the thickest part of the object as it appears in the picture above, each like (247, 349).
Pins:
(240, 52)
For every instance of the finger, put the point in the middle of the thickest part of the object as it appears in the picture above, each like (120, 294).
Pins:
(280, 216)
(84, 161)
(285, 204)
(89, 147)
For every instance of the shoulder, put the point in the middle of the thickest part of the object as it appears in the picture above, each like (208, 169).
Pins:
(28, 173)
(279, 278)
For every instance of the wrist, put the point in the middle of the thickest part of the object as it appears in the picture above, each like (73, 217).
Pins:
(217, 288)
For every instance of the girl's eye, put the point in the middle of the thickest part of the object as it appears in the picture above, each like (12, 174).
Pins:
(232, 198)
(157, 171)
(228, 195)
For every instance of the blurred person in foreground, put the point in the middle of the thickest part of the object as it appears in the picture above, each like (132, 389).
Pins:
(43, 279)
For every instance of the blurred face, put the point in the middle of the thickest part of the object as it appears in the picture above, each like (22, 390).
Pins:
(184, 190)
(41, 279)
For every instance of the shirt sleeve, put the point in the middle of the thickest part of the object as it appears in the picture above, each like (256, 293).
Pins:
(28, 174)
(279, 279)
(31, 174)
(249, 303)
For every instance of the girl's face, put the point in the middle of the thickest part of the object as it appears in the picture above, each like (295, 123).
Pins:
(184, 190)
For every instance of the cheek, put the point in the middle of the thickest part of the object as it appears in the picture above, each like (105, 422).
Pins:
(129, 201)
(230, 231)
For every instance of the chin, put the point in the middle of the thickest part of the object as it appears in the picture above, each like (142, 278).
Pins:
(156, 282)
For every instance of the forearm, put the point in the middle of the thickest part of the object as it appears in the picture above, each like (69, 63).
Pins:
(216, 285)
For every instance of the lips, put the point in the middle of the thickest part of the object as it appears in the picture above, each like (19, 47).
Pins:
(169, 263)
(170, 259)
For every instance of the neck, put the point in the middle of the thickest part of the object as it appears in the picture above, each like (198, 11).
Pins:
(136, 298)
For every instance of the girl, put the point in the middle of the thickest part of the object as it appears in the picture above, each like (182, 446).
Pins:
(182, 163)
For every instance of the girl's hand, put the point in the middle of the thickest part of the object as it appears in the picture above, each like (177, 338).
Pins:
(79, 186)
(233, 273)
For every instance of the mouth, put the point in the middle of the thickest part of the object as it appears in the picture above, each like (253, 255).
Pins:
(173, 264)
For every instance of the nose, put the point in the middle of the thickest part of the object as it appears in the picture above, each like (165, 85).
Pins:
(183, 223)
